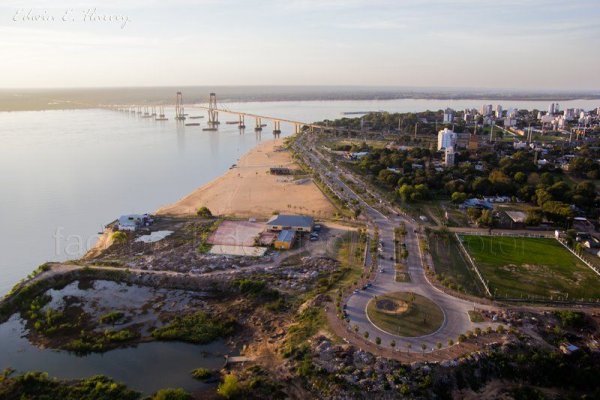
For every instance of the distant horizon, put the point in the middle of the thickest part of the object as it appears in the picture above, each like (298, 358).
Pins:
(525, 44)
(595, 91)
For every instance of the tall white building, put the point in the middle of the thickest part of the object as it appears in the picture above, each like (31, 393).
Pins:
(449, 156)
(448, 116)
(498, 111)
(487, 109)
(446, 138)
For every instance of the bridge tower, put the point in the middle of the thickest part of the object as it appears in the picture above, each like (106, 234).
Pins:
(242, 123)
(276, 127)
(213, 114)
(179, 111)
(258, 127)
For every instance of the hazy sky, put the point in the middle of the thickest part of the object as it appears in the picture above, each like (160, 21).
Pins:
(461, 43)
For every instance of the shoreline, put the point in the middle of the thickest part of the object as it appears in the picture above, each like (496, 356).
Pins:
(249, 190)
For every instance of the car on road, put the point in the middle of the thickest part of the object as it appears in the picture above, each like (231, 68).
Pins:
(317, 228)
(313, 238)
(381, 270)
(355, 291)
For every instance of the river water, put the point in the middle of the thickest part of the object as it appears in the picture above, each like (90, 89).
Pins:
(64, 174)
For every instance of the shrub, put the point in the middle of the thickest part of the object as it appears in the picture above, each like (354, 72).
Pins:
(204, 212)
(111, 318)
(171, 394)
(230, 386)
(201, 373)
(119, 237)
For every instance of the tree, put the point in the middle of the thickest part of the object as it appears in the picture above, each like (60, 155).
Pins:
(423, 347)
(406, 192)
(377, 340)
(408, 347)
(230, 386)
(204, 212)
(486, 218)
(500, 329)
(520, 177)
(534, 217)
(458, 197)
(438, 345)
(366, 334)
(393, 344)
(450, 342)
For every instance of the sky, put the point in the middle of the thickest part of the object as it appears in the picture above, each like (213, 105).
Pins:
(507, 44)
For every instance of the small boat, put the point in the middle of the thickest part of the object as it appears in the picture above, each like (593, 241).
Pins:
(263, 125)
(197, 116)
(209, 129)
(242, 126)
(232, 122)
(161, 119)
(192, 124)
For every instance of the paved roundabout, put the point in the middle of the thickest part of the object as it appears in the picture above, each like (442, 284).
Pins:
(405, 314)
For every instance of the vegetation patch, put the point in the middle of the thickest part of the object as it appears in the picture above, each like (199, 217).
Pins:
(37, 385)
(450, 267)
(201, 374)
(475, 316)
(198, 328)
(405, 314)
(531, 268)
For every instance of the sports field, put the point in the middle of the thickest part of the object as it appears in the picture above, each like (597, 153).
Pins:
(531, 268)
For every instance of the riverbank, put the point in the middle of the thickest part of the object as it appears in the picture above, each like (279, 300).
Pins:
(249, 190)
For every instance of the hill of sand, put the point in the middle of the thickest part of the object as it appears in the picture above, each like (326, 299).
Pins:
(249, 190)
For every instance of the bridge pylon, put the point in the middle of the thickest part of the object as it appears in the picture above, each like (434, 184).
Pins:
(242, 123)
(213, 114)
(258, 127)
(179, 111)
(276, 127)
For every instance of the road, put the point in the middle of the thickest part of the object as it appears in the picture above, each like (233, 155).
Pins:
(456, 319)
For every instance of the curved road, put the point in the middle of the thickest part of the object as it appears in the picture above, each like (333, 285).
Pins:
(456, 318)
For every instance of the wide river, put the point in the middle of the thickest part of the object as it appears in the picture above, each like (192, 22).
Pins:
(64, 174)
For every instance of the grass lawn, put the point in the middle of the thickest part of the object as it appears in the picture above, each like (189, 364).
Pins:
(402, 274)
(412, 318)
(531, 267)
(452, 270)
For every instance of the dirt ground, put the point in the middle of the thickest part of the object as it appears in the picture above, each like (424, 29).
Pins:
(249, 190)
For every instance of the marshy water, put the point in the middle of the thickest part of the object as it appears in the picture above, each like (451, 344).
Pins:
(146, 367)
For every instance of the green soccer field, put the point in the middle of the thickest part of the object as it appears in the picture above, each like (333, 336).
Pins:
(531, 268)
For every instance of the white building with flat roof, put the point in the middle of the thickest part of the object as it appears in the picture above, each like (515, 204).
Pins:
(446, 138)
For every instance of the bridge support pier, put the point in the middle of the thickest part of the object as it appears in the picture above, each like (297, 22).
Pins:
(276, 127)
(258, 127)
(242, 123)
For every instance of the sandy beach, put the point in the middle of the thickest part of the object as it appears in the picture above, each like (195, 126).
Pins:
(249, 190)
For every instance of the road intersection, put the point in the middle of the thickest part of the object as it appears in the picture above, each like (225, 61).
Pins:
(456, 319)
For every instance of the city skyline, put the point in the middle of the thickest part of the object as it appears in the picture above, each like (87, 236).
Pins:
(526, 45)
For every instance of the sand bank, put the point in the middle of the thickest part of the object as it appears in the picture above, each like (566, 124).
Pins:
(249, 190)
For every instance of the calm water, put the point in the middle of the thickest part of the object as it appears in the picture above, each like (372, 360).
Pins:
(147, 367)
(64, 174)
